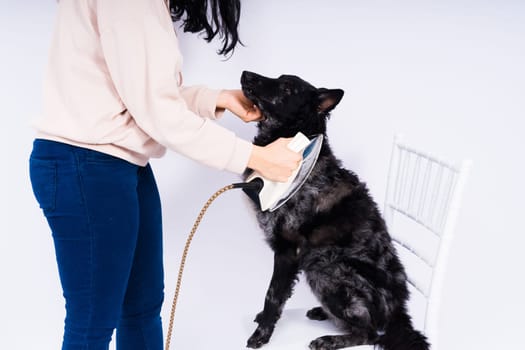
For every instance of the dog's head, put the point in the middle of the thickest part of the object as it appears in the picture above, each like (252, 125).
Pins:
(289, 104)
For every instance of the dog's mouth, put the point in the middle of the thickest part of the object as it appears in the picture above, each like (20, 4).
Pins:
(248, 82)
(248, 92)
(260, 107)
(250, 85)
(250, 95)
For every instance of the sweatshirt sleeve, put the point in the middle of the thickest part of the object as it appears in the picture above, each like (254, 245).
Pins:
(202, 100)
(142, 57)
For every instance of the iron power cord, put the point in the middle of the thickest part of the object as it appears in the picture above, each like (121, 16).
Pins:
(254, 185)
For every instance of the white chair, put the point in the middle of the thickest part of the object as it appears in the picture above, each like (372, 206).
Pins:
(422, 202)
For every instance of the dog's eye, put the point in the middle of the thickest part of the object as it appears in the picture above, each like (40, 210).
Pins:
(287, 89)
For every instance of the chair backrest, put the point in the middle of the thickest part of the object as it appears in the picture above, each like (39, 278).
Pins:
(421, 206)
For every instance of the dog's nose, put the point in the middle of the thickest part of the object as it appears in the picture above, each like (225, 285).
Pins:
(246, 77)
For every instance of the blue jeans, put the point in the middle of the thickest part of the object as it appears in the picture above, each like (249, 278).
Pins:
(105, 218)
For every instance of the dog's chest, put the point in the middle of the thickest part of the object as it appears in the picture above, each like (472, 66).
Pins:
(292, 221)
(284, 222)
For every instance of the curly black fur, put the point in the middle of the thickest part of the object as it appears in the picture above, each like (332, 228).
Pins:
(332, 230)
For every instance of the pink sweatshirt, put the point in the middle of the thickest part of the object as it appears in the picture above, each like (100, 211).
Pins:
(113, 84)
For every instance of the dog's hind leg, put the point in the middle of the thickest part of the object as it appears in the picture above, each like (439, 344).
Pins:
(281, 285)
(351, 313)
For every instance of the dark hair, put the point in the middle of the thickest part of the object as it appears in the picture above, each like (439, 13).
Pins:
(211, 17)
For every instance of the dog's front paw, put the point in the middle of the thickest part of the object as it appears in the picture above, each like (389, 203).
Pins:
(260, 337)
(323, 343)
(317, 314)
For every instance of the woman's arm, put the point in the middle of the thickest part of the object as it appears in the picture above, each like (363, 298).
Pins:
(142, 54)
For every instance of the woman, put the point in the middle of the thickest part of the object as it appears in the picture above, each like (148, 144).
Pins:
(113, 99)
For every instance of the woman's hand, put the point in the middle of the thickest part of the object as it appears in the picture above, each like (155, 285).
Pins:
(275, 161)
(238, 104)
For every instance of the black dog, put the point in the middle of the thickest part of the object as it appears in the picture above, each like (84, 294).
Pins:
(332, 230)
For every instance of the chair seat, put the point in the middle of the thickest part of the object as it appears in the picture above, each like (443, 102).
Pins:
(295, 331)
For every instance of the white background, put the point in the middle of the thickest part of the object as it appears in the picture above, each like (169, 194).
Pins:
(448, 74)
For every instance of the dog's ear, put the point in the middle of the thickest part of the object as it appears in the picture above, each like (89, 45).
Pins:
(328, 99)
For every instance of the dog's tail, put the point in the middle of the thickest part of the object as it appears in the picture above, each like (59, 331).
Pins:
(401, 335)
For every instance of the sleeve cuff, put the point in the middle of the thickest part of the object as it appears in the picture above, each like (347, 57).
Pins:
(209, 98)
(240, 157)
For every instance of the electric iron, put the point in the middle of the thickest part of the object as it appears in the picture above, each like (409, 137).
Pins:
(270, 195)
